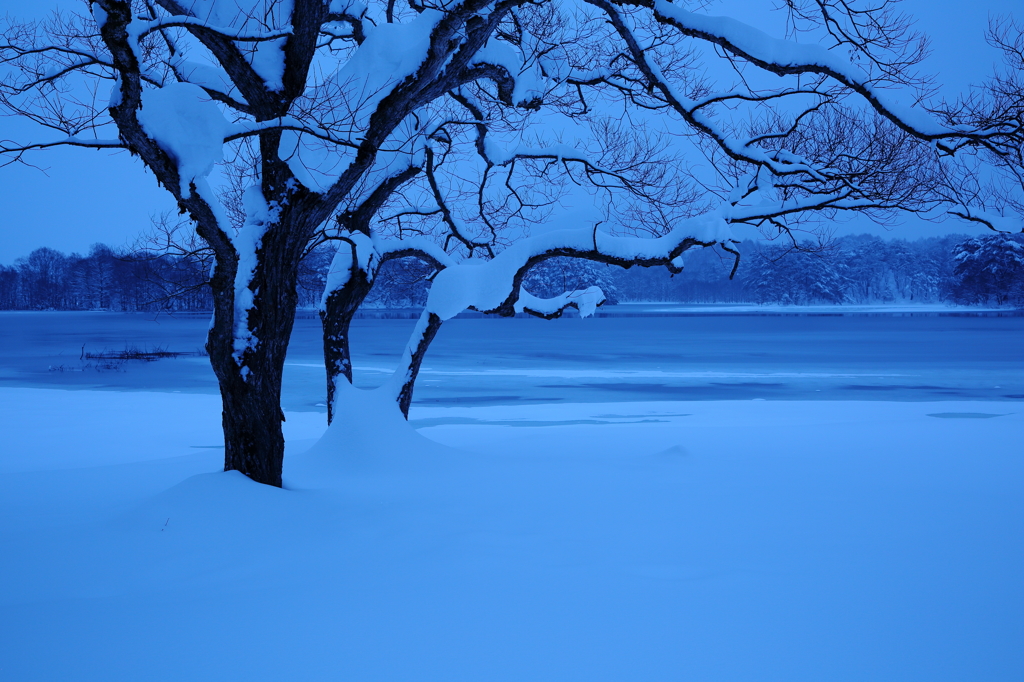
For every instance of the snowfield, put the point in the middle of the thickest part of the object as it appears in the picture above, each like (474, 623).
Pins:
(606, 536)
(746, 540)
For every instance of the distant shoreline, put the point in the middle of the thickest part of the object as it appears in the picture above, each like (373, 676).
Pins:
(638, 309)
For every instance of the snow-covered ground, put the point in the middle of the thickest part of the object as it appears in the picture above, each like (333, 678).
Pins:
(736, 539)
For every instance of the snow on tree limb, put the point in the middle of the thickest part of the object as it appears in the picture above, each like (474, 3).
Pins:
(993, 221)
(586, 301)
(188, 126)
(782, 58)
(786, 57)
(494, 286)
(364, 253)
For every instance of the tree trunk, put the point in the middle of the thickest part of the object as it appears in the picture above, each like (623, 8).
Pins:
(250, 380)
(426, 330)
(336, 316)
(253, 441)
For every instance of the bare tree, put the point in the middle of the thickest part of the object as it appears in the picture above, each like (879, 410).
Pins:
(320, 111)
(175, 261)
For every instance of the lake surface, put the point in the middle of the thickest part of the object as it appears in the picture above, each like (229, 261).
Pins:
(634, 353)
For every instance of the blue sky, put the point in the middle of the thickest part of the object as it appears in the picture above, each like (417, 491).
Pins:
(78, 197)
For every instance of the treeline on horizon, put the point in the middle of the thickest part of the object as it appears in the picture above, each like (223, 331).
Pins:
(985, 270)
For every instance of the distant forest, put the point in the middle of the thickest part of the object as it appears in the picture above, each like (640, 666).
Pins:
(986, 270)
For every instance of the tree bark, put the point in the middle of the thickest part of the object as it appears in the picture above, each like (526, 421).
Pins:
(336, 316)
(250, 380)
(426, 330)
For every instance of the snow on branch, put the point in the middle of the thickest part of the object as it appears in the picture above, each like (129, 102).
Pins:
(993, 221)
(214, 80)
(403, 381)
(387, 57)
(526, 91)
(365, 254)
(357, 33)
(692, 110)
(785, 57)
(494, 286)
(586, 301)
(419, 247)
(188, 126)
(815, 176)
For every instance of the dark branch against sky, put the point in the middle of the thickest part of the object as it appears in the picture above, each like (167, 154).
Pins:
(80, 197)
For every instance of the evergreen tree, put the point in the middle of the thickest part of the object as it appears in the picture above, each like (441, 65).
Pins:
(780, 274)
(990, 269)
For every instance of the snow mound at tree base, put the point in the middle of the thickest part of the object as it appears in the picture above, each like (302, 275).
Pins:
(369, 437)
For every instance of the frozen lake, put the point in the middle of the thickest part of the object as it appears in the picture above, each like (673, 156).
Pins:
(677, 354)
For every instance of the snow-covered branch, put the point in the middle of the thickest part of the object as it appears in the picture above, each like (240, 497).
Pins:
(785, 57)
(993, 221)
(586, 301)
(494, 286)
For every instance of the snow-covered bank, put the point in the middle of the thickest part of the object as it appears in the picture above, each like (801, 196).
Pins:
(738, 540)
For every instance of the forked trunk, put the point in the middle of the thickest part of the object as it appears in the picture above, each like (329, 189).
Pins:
(336, 316)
